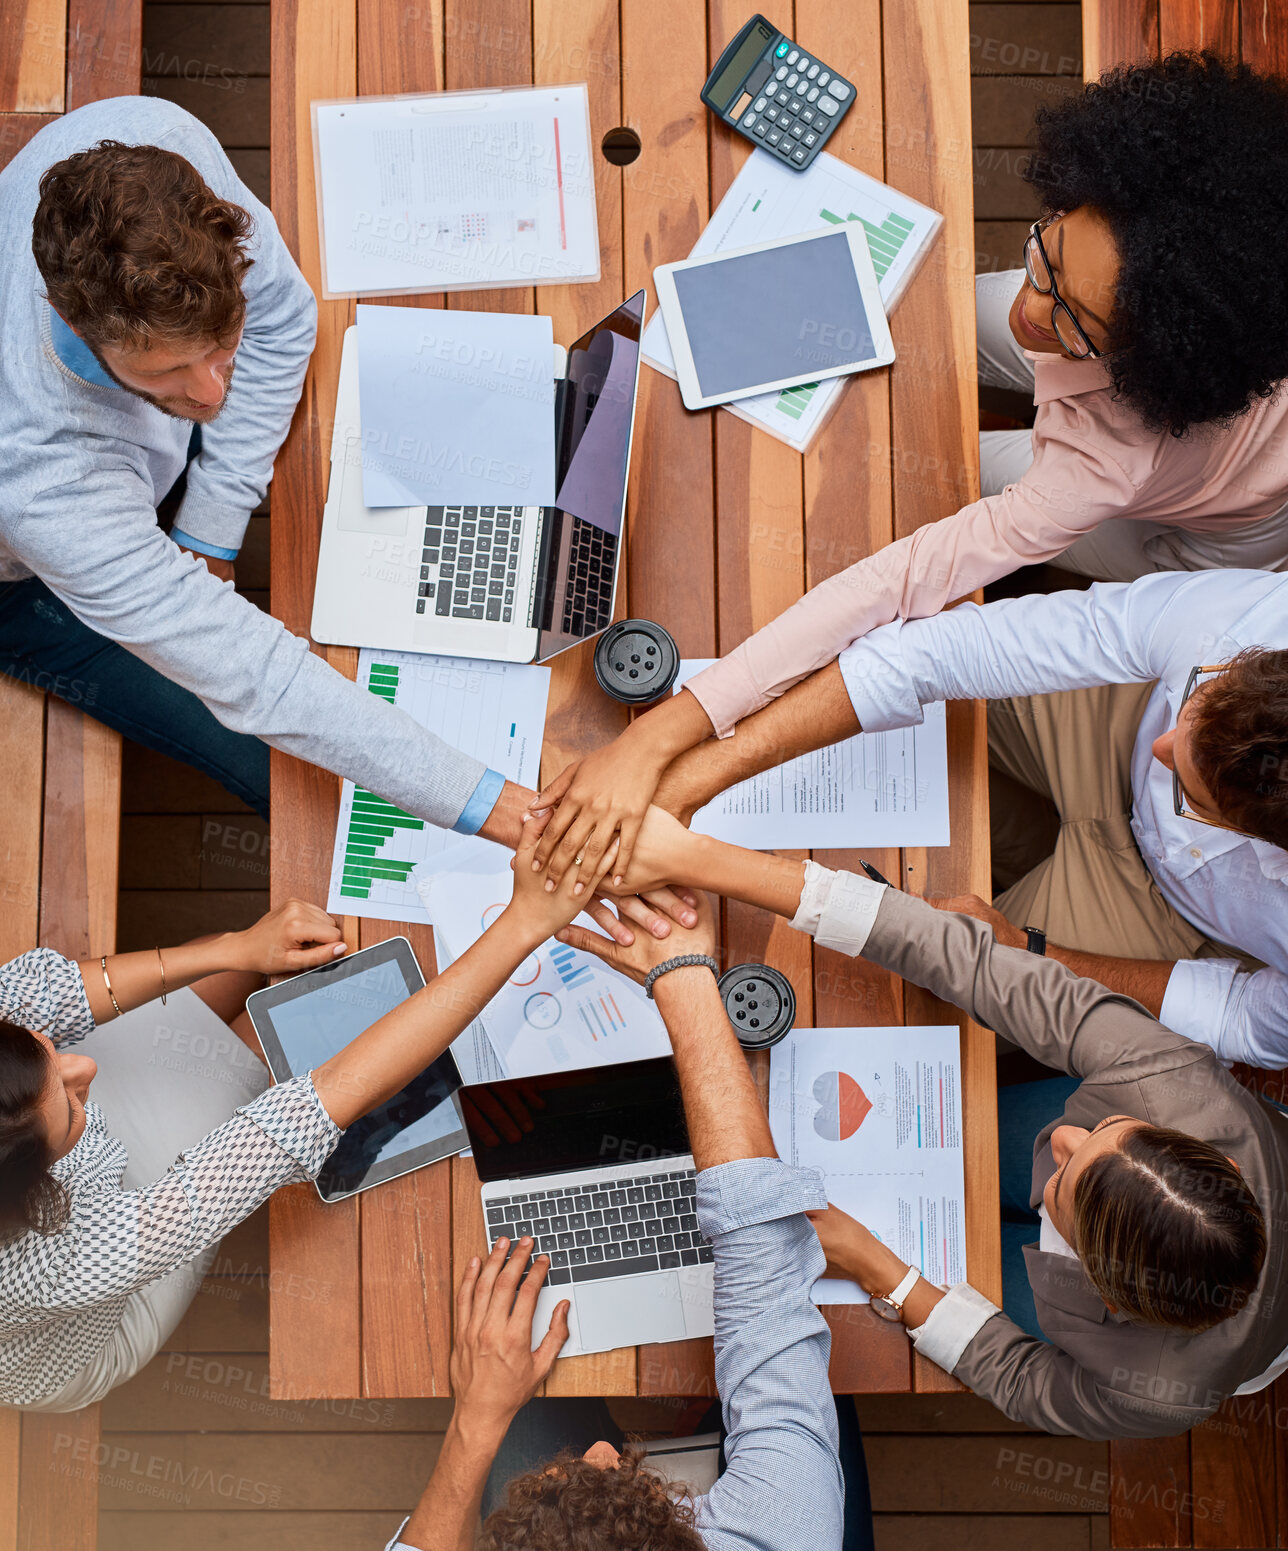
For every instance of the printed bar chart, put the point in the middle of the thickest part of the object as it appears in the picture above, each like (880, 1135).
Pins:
(374, 821)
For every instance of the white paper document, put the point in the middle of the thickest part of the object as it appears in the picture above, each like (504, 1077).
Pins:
(875, 789)
(495, 711)
(878, 1112)
(768, 200)
(456, 189)
(562, 1009)
(457, 408)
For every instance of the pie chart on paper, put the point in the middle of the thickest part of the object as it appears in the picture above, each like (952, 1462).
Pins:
(842, 1106)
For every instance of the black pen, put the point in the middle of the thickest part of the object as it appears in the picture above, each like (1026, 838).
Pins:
(874, 874)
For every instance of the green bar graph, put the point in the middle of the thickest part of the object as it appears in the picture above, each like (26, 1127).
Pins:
(373, 821)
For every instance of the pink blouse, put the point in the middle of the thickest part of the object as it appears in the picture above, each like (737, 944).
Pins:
(1092, 460)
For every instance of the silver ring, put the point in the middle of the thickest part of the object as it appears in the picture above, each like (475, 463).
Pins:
(577, 860)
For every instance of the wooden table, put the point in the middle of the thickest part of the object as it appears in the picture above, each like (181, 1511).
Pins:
(361, 1292)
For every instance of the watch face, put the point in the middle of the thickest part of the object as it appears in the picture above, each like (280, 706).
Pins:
(884, 1308)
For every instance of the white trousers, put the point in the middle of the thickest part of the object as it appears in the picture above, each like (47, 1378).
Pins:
(1121, 549)
(167, 1076)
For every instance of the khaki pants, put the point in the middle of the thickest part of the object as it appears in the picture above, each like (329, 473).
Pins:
(1064, 855)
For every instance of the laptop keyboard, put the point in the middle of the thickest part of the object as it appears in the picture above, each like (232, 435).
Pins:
(592, 560)
(612, 1228)
(476, 551)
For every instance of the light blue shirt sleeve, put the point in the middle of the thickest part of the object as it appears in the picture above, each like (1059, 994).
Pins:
(480, 804)
(1242, 1016)
(782, 1488)
(200, 546)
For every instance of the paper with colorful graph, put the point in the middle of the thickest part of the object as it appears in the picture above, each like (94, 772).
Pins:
(561, 1009)
(878, 1111)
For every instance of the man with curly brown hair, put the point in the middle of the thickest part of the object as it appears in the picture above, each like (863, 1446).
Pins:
(788, 1483)
(156, 335)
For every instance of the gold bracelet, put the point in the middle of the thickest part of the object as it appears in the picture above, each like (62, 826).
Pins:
(161, 962)
(111, 995)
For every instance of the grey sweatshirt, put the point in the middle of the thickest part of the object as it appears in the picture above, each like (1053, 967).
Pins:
(83, 465)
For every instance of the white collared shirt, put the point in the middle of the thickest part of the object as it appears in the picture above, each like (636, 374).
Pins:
(1230, 887)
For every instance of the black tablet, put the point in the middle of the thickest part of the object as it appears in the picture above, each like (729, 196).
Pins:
(303, 1022)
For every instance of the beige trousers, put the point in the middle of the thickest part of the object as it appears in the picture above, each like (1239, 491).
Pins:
(1064, 857)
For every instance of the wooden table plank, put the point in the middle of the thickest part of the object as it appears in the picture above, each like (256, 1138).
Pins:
(580, 717)
(33, 56)
(935, 449)
(405, 1263)
(1232, 1465)
(672, 510)
(315, 1348)
(1199, 24)
(1263, 36)
(1117, 32)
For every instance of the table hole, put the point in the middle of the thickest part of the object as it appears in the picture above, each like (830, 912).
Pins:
(620, 146)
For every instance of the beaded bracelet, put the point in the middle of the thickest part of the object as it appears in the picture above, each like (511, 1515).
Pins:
(680, 961)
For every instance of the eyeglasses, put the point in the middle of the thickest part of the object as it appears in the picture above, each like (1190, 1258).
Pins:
(1038, 268)
(1179, 795)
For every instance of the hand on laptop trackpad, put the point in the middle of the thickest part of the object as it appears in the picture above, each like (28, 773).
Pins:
(632, 1312)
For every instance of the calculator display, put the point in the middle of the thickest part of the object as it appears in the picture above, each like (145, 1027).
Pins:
(721, 91)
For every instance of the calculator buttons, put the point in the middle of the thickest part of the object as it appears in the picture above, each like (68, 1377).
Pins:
(748, 120)
(826, 105)
(797, 104)
(772, 89)
(761, 127)
(798, 130)
(793, 57)
(803, 64)
(809, 139)
(813, 94)
(781, 73)
(792, 79)
(774, 136)
(759, 104)
(813, 72)
(799, 154)
(808, 115)
(771, 113)
(782, 48)
(824, 78)
(839, 90)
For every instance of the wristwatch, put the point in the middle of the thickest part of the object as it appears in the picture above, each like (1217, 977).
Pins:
(1036, 939)
(891, 1307)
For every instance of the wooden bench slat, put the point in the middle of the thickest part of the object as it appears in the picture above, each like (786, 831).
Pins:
(104, 50)
(33, 56)
(1232, 1469)
(1199, 24)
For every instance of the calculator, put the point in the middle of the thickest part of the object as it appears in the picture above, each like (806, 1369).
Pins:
(776, 94)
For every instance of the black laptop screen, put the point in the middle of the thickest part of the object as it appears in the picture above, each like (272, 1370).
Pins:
(601, 1115)
(596, 418)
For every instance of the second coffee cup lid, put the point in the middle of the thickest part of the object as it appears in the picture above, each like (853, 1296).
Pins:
(760, 1003)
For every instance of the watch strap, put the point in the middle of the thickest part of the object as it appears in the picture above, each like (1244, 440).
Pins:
(1036, 939)
(899, 1296)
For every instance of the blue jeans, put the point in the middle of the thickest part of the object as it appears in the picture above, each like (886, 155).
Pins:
(1023, 1109)
(43, 643)
(545, 1427)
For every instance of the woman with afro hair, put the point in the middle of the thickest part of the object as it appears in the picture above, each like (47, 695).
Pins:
(1150, 323)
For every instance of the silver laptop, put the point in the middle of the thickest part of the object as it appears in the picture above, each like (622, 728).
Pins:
(508, 583)
(595, 1165)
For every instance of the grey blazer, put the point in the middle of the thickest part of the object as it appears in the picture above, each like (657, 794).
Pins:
(1100, 1376)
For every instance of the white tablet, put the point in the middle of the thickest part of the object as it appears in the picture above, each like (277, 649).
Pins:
(774, 315)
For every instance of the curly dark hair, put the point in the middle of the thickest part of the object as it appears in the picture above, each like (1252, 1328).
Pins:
(31, 1199)
(1239, 741)
(134, 246)
(1187, 161)
(575, 1506)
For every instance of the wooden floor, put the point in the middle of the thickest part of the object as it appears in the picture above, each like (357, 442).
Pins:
(196, 1451)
